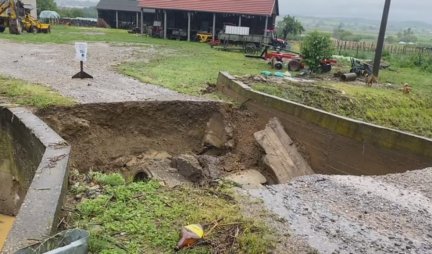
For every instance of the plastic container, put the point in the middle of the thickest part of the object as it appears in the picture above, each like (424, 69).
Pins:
(74, 241)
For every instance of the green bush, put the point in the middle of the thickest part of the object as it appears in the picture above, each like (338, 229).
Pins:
(316, 47)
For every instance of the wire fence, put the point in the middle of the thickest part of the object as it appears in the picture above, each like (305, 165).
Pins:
(359, 47)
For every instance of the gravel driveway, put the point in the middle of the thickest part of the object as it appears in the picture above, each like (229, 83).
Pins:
(351, 214)
(54, 65)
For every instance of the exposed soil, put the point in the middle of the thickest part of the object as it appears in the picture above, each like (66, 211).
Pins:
(54, 65)
(101, 134)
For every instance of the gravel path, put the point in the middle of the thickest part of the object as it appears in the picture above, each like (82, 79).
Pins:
(54, 65)
(350, 214)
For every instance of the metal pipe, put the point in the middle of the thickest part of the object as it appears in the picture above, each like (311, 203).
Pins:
(142, 20)
(165, 25)
(349, 77)
(189, 26)
(214, 27)
(266, 26)
(117, 20)
(240, 19)
(381, 37)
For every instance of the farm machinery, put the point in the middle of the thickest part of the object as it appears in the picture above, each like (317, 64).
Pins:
(18, 19)
(293, 60)
(237, 37)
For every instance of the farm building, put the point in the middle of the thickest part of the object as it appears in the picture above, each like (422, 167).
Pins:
(183, 19)
(121, 13)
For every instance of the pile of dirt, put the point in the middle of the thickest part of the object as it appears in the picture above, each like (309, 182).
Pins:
(140, 137)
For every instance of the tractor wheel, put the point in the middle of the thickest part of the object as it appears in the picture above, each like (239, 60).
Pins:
(294, 65)
(250, 48)
(15, 26)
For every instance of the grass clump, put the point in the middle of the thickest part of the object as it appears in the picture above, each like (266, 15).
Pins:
(26, 94)
(146, 217)
(386, 107)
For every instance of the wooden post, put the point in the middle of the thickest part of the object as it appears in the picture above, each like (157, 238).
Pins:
(214, 27)
(142, 20)
(189, 26)
(266, 25)
(239, 23)
(117, 21)
(137, 19)
(165, 25)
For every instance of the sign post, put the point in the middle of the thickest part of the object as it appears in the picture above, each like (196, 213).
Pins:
(81, 56)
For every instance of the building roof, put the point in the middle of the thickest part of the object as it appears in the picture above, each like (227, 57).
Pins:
(252, 7)
(118, 5)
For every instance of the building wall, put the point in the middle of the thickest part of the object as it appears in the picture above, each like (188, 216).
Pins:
(32, 3)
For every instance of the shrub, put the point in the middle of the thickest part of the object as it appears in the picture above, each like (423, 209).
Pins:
(316, 47)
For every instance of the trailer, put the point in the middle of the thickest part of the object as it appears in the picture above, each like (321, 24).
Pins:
(238, 38)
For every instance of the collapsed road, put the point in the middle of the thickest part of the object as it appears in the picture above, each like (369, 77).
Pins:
(353, 214)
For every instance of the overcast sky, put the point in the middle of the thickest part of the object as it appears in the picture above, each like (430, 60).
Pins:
(401, 10)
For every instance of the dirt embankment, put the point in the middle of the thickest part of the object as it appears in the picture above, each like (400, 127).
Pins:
(101, 134)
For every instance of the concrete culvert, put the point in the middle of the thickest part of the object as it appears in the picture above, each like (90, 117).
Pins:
(142, 176)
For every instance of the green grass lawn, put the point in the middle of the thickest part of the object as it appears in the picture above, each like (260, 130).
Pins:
(146, 217)
(26, 94)
(188, 67)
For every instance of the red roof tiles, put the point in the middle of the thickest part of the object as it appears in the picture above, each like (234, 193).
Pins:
(252, 7)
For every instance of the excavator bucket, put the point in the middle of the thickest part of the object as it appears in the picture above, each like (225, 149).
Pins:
(15, 26)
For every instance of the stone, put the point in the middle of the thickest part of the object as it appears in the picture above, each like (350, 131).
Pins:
(248, 178)
(210, 166)
(218, 134)
(188, 166)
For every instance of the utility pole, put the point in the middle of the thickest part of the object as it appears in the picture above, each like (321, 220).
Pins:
(381, 38)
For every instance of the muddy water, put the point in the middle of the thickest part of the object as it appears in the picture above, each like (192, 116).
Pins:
(9, 186)
(6, 223)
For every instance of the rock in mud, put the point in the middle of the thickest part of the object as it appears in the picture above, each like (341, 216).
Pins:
(248, 178)
(210, 166)
(218, 133)
(188, 166)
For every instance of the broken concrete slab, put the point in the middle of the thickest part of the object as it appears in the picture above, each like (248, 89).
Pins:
(248, 178)
(282, 156)
(188, 166)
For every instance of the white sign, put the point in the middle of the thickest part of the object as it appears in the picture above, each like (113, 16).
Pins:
(81, 51)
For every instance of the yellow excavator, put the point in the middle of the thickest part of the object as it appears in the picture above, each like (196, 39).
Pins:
(17, 18)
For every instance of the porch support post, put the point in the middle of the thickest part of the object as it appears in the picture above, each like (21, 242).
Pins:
(239, 23)
(266, 26)
(189, 26)
(137, 19)
(117, 21)
(142, 21)
(214, 27)
(165, 25)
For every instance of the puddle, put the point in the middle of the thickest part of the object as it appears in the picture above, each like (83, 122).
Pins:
(6, 223)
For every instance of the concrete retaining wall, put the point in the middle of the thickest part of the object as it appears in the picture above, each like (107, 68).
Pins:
(335, 144)
(42, 157)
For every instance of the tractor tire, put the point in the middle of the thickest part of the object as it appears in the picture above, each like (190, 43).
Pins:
(294, 65)
(15, 26)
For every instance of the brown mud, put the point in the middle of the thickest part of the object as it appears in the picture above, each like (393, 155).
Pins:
(106, 136)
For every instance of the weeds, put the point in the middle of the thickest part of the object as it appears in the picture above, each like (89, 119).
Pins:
(146, 217)
(23, 93)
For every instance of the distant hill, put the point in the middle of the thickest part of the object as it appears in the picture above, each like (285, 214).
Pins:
(76, 3)
(364, 26)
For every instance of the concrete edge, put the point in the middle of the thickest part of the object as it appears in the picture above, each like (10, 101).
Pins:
(38, 215)
(355, 129)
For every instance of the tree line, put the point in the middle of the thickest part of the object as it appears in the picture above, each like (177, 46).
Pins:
(51, 5)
